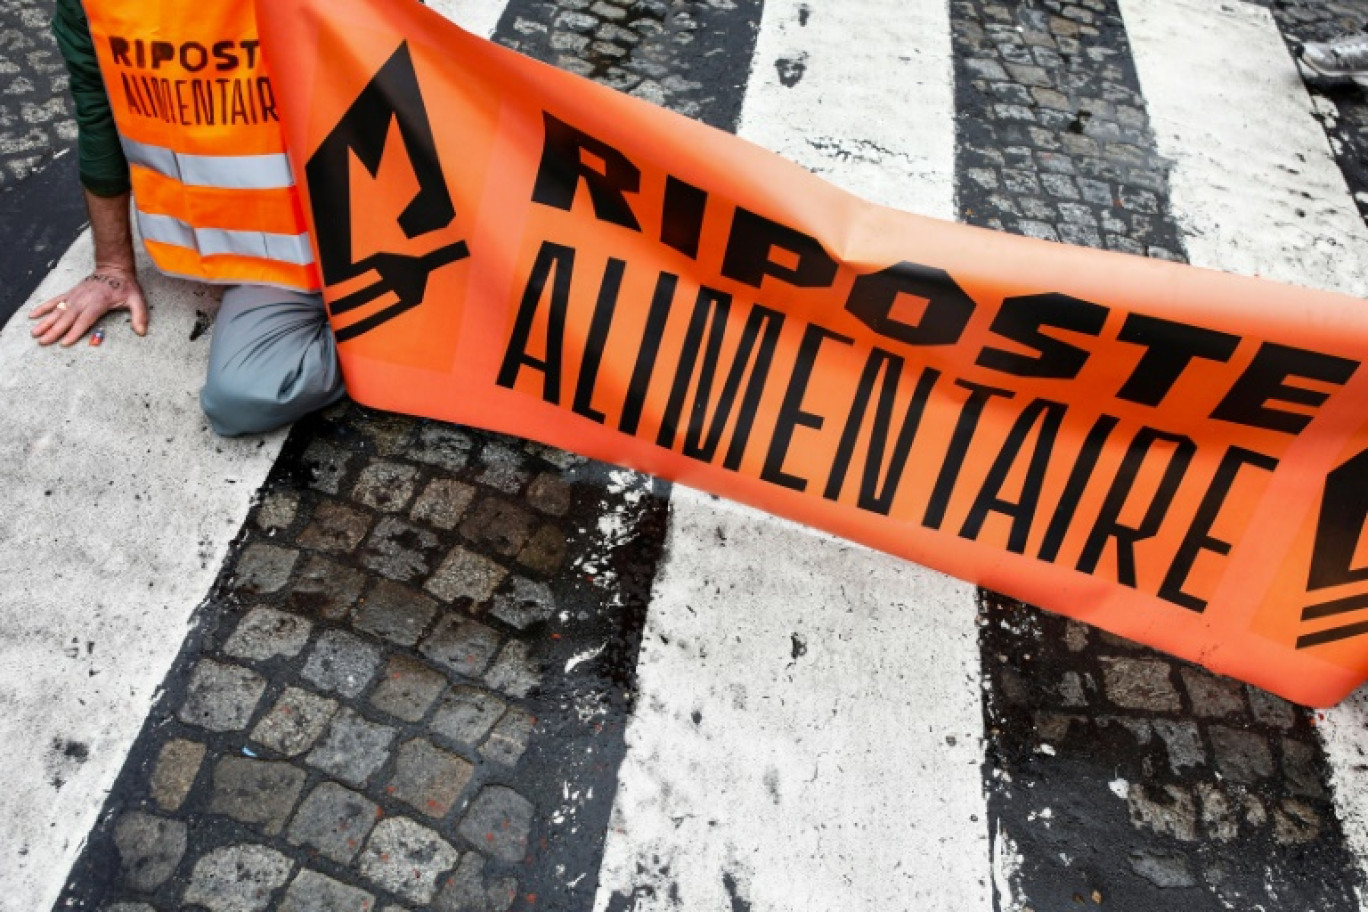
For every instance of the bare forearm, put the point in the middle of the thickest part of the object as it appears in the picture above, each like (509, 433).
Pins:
(112, 230)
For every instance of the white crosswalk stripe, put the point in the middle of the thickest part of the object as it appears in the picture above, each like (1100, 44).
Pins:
(852, 674)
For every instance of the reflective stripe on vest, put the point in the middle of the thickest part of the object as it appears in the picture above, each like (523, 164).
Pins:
(232, 172)
(213, 189)
(287, 248)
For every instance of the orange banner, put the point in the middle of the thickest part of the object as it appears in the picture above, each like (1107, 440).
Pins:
(1175, 455)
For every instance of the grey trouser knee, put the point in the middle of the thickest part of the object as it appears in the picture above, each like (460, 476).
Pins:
(272, 360)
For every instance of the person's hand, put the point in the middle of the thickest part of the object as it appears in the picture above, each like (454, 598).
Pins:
(67, 317)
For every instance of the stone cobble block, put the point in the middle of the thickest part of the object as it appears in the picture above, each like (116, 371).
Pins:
(1060, 186)
(327, 465)
(1295, 823)
(407, 689)
(150, 849)
(428, 778)
(294, 723)
(441, 445)
(265, 633)
(335, 528)
(334, 821)
(576, 21)
(505, 469)
(1042, 230)
(465, 574)
(498, 823)
(395, 613)
(443, 503)
(399, 550)
(498, 525)
(240, 878)
(128, 907)
(462, 645)
(315, 892)
(1217, 813)
(259, 793)
(221, 697)
(389, 434)
(1167, 809)
(1011, 93)
(545, 551)
(277, 511)
(1299, 766)
(1183, 741)
(353, 748)
(407, 859)
(608, 11)
(508, 741)
(1140, 684)
(468, 890)
(524, 603)
(466, 715)
(341, 662)
(177, 768)
(607, 49)
(1241, 756)
(1212, 697)
(385, 486)
(1271, 710)
(263, 568)
(1080, 235)
(611, 31)
(1094, 191)
(326, 588)
(1165, 870)
(514, 672)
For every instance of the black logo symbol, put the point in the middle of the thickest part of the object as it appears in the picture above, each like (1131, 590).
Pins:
(392, 95)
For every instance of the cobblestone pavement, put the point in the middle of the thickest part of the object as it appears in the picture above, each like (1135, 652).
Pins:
(35, 117)
(1224, 806)
(407, 690)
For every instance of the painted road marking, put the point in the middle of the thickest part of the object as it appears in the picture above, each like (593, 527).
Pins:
(116, 517)
(861, 93)
(1257, 191)
(1254, 186)
(808, 733)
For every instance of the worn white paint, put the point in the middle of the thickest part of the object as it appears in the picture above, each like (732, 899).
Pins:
(808, 728)
(809, 731)
(479, 17)
(1256, 191)
(873, 109)
(1254, 186)
(116, 515)
(117, 511)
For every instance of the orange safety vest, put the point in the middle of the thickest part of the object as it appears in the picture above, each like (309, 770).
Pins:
(213, 190)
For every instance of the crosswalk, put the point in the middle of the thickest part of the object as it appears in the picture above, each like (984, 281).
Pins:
(809, 731)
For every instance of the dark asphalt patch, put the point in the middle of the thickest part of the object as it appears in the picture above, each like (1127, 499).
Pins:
(43, 214)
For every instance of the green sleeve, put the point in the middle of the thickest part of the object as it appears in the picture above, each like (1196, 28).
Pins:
(104, 170)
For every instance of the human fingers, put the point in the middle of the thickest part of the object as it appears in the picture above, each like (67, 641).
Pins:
(47, 307)
(55, 326)
(86, 317)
